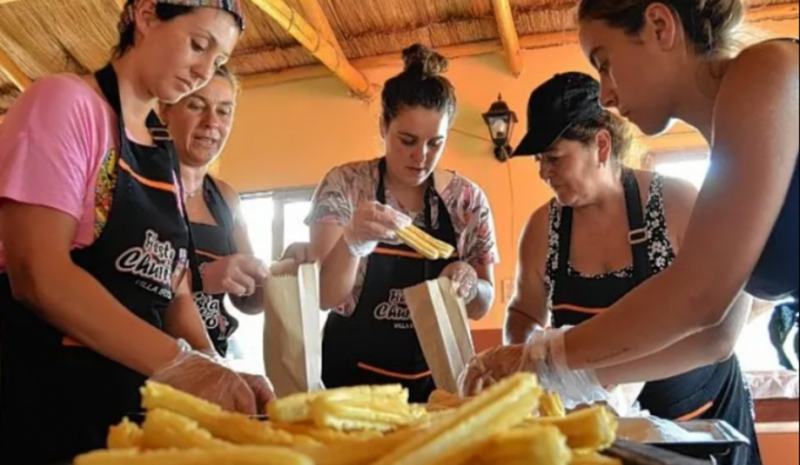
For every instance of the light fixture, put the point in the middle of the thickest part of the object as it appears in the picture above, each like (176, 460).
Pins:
(501, 120)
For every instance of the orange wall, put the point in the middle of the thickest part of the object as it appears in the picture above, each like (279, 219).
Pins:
(291, 135)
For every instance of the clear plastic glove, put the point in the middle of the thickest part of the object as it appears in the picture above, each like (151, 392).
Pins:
(262, 389)
(465, 280)
(237, 275)
(200, 375)
(372, 224)
(575, 387)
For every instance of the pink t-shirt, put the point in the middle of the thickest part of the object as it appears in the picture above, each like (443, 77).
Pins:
(57, 150)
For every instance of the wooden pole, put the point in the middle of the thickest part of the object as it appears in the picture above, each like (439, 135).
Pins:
(12, 71)
(319, 21)
(323, 50)
(508, 35)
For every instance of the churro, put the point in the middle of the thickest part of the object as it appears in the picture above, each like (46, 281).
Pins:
(592, 429)
(474, 424)
(232, 456)
(427, 245)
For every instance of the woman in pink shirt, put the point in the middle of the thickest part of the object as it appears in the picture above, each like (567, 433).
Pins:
(94, 247)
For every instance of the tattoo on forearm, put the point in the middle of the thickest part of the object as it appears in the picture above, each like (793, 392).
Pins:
(608, 356)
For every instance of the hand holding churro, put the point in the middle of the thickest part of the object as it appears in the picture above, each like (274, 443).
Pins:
(371, 224)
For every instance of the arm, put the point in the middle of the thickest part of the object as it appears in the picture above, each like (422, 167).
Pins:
(705, 348)
(755, 153)
(182, 320)
(479, 242)
(44, 278)
(528, 309)
(331, 212)
(338, 267)
(252, 304)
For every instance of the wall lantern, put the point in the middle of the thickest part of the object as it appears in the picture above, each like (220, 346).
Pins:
(501, 120)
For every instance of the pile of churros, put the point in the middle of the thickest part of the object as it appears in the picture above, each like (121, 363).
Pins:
(512, 423)
(425, 244)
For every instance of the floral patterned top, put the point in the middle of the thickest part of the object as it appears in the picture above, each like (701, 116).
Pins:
(660, 248)
(340, 192)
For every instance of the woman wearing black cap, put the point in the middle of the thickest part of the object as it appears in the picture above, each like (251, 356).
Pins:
(370, 338)
(601, 237)
(94, 246)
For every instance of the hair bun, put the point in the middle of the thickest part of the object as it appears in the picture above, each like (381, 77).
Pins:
(421, 60)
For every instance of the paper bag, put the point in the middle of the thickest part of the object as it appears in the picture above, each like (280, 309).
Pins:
(442, 326)
(292, 329)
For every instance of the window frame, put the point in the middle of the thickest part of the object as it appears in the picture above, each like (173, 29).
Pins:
(281, 197)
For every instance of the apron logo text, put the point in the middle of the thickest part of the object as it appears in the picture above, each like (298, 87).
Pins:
(153, 262)
(211, 311)
(395, 310)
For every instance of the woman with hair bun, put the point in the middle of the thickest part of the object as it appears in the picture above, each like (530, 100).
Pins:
(370, 338)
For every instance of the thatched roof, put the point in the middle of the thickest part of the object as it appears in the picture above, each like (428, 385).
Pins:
(42, 37)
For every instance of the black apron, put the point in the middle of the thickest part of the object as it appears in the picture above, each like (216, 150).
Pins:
(214, 242)
(378, 344)
(58, 398)
(713, 392)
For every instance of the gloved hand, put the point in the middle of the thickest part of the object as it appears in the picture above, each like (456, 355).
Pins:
(576, 387)
(198, 374)
(373, 223)
(237, 275)
(465, 280)
(542, 355)
(262, 389)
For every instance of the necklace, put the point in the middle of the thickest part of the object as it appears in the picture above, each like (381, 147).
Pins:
(193, 193)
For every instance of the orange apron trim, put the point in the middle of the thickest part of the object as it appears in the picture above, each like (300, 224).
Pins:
(398, 253)
(208, 255)
(392, 374)
(575, 308)
(69, 342)
(697, 413)
(147, 182)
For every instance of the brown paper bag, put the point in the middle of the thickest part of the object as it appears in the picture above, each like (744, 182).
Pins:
(440, 319)
(292, 329)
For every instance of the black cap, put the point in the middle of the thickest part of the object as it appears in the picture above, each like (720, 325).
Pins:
(555, 106)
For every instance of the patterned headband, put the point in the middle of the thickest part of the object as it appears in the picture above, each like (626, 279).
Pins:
(233, 7)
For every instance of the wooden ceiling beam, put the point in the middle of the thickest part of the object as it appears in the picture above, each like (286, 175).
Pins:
(12, 71)
(314, 42)
(508, 35)
(315, 15)
(783, 12)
